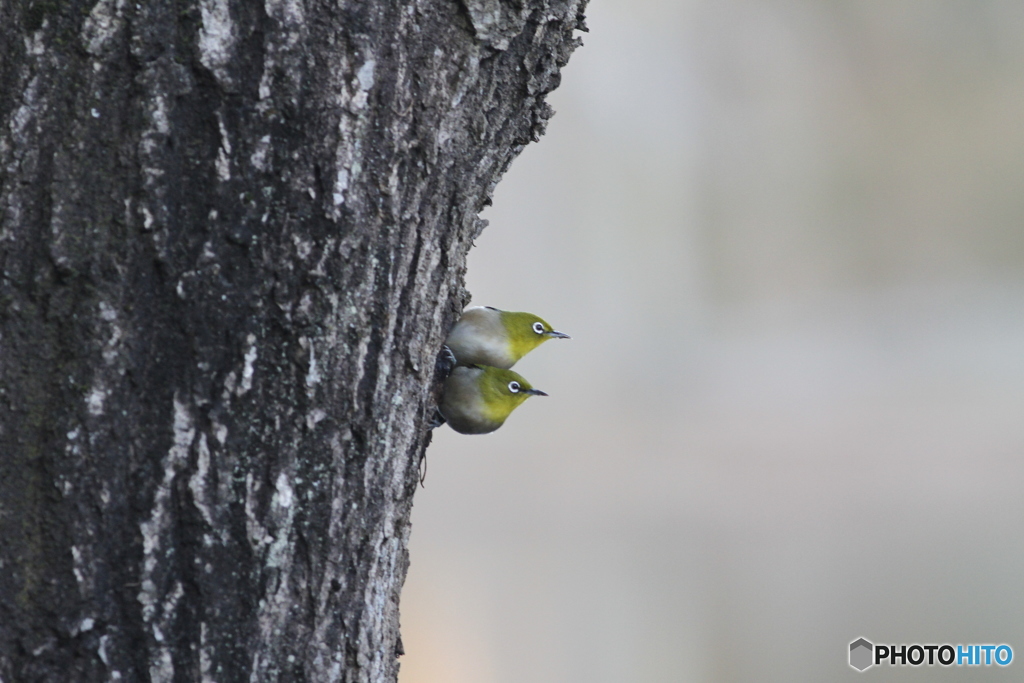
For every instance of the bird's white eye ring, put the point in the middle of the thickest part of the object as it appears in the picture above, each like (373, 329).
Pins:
(538, 327)
(513, 386)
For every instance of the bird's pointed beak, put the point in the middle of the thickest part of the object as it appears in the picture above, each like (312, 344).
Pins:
(534, 392)
(558, 335)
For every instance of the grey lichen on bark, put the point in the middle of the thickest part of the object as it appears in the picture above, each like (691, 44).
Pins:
(232, 237)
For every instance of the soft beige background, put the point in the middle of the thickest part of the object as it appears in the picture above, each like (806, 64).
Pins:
(788, 239)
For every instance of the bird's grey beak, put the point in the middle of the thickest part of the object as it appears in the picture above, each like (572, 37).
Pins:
(559, 335)
(534, 392)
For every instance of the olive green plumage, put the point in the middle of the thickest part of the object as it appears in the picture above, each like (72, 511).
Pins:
(481, 392)
(488, 336)
(478, 399)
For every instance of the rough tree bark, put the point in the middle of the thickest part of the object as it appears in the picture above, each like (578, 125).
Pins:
(232, 237)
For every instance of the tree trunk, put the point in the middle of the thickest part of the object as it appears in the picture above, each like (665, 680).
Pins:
(232, 236)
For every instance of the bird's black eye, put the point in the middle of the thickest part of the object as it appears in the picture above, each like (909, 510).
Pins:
(538, 328)
(513, 386)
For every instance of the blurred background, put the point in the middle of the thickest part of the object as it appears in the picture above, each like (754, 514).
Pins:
(788, 240)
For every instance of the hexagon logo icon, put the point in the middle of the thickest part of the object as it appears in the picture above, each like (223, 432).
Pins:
(861, 654)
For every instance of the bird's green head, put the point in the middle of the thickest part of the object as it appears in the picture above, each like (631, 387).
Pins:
(527, 331)
(503, 391)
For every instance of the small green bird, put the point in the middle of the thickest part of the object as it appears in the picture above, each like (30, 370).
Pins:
(488, 336)
(478, 399)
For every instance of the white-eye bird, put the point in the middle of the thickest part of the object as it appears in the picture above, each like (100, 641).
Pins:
(488, 336)
(478, 399)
